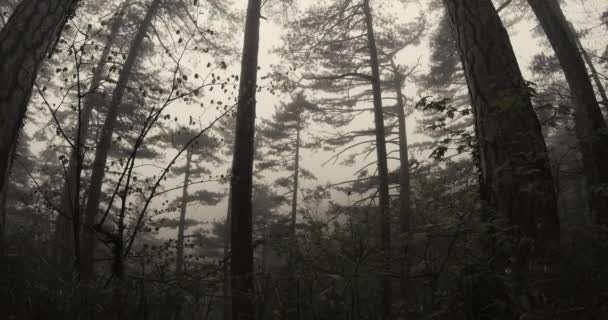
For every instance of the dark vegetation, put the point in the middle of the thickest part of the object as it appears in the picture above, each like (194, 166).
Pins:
(146, 174)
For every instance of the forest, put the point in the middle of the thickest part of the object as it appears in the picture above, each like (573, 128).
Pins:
(304, 159)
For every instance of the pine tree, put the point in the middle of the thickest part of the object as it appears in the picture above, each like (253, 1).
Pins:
(202, 151)
(590, 123)
(241, 256)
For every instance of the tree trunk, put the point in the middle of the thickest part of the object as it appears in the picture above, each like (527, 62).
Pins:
(4, 208)
(516, 180)
(385, 229)
(118, 277)
(405, 209)
(28, 36)
(105, 141)
(179, 259)
(296, 176)
(226, 267)
(590, 124)
(241, 266)
(293, 280)
(70, 204)
(594, 74)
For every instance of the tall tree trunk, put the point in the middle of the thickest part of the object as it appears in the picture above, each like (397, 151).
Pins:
(105, 141)
(590, 124)
(118, 277)
(385, 228)
(179, 259)
(294, 282)
(70, 204)
(4, 207)
(516, 180)
(601, 90)
(405, 208)
(25, 40)
(226, 267)
(241, 262)
(296, 176)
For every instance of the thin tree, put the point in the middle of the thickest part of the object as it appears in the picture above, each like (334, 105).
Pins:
(283, 144)
(283, 140)
(383, 190)
(590, 123)
(405, 206)
(105, 143)
(201, 151)
(241, 255)
(601, 90)
(70, 200)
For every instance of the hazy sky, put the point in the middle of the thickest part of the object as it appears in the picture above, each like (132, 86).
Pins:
(583, 14)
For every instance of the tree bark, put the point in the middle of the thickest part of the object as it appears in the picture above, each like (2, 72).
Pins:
(383, 190)
(516, 180)
(241, 266)
(590, 124)
(70, 204)
(105, 141)
(179, 259)
(28, 36)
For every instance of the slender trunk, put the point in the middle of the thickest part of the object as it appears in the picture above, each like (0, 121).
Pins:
(4, 208)
(516, 179)
(294, 282)
(179, 259)
(296, 176)
(594, 75)
(241, 266)
(118, 274)
(405, 210)
(226, 267)
(385, 229)
(28, 36)
(590, 124)
(105, 141)
(70, 204)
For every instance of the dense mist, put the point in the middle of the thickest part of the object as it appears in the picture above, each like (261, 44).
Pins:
(303, 160)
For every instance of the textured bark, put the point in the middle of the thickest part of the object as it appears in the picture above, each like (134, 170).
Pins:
(241, 266)
(516, 180)
(24, 42)
(105, 141)
(179, 259)
(590, 124)
(384, 198)
(70, 203)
